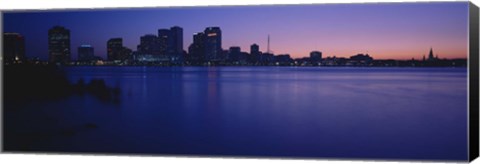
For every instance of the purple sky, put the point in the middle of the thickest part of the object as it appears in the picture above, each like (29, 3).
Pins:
(385, 30)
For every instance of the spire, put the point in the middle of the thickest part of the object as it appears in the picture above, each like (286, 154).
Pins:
(430, 55)
(268, 44)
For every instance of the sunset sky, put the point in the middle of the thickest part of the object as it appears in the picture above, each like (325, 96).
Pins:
(384, 30)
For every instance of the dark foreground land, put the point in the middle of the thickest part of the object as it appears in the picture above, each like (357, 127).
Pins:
(25, 84)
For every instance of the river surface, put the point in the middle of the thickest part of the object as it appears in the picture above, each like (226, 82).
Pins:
(317, 112)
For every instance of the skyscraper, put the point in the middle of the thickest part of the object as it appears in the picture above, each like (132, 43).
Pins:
(116, 50)
(114, 47)
(149, 45)
(177, 40)
(13, 47)
(255, 53)
(59, 44)
(234, 54)
(316, 56)
(85, 53)
(171, 42)
(125, 54)
(196, 50)
(254, 49)
(213, 43)
(165, 40)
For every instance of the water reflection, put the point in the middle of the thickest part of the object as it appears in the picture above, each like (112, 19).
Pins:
(270, 111)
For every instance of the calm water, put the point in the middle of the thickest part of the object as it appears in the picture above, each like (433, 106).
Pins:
(395, 113)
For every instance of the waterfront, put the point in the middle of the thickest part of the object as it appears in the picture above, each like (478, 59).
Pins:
(399, 113)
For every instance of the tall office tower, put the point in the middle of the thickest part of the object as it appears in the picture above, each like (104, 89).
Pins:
(165, 40)
(85, 53)
(254, 49)
(213, 43)
(114, 48)
(13, 47)
(171, 40)
(177, 40)
(59, 44)
(255, 54)
(196, 50)
(316, 56)
(234, 54)
(149, 45)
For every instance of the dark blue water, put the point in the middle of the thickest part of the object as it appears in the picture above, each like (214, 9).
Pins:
(392, 113)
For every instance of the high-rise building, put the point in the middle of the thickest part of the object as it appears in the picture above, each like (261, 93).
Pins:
(116, 50)
(114, 47)
(165, 40)
(316, 56)
(255, 53)
(196, 50)
(177, 40)
(59, 44)
(170, 42)
(13, 47)
(234, 54)
(85, 53)
(125, 54)
(149, 45)
(254, 49)
(213, 43)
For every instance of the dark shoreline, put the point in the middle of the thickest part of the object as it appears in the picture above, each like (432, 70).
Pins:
(25, 82)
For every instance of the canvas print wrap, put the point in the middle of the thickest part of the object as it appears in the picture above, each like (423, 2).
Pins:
(341, 81)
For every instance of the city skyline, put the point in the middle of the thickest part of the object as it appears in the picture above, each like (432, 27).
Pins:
(446, 36)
